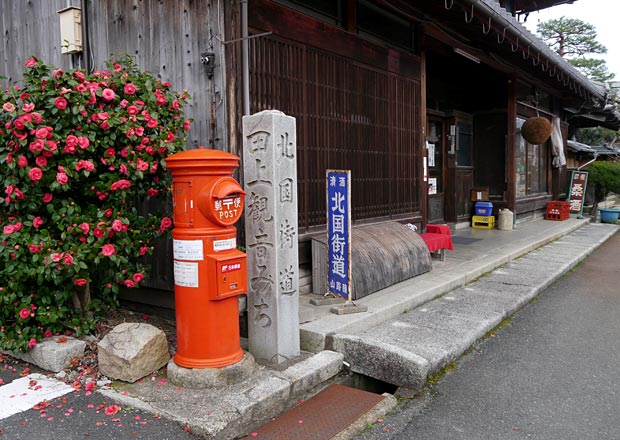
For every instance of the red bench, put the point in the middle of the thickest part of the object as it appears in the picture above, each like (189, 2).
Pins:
(437, 239)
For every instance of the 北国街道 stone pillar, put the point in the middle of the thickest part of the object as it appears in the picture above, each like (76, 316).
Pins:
(270, 180)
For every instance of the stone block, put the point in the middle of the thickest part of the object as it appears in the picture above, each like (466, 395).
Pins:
(132, 350)
(53, 354)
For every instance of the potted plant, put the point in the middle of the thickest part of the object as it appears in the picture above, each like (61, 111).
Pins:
(605, 176)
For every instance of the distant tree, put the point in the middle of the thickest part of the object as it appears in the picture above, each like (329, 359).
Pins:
(596, 136)
(575, 41)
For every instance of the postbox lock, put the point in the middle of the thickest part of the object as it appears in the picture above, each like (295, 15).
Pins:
(223, 202)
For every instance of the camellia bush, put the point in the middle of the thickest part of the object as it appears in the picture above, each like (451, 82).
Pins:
(78, 152)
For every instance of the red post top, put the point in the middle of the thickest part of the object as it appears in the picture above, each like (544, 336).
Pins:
(202, 161)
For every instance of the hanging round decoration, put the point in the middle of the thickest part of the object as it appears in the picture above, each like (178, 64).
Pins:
(536, 130)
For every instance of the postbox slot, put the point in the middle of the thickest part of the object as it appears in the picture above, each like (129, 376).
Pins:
(227, 188)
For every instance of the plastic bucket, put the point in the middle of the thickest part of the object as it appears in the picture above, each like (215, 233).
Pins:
(609, 215)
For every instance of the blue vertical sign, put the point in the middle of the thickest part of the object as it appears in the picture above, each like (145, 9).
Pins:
(339, 232)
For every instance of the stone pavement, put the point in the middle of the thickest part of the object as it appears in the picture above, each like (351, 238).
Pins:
(410, 329)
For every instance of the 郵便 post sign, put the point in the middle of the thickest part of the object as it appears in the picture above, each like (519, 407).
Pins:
(339, 232)
(577, 191)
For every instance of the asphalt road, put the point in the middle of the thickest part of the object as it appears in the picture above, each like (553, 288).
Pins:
(552, 373)
(77, 415)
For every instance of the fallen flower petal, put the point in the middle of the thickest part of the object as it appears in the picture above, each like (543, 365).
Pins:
(111, 410)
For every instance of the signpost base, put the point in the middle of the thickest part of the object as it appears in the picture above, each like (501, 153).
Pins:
(326, 300)
(348, 308)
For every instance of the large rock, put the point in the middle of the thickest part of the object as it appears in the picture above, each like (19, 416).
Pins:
(53, 354)
(132, 350)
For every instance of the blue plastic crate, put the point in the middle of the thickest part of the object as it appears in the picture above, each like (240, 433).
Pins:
(484, 208)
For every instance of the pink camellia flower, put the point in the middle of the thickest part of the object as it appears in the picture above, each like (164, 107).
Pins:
(80, 282)
(36, 117)
(47, 197)
(111, 410)
(108, 213)
(71, 140)
(142, 165)
(187, 124)
(19, 194)
(41, 161)
(8, 107)
(84, 165)
(28, 107)
(120, 185)
(98, 233)
(48, 334)
(83, 142)
(130, 89)
(68, 259)
(8, 229)
(43, 132)
(56, 257)
(35, 174)
(37, 222)
(32, 343)
(143, 250)
(138, 277)
(129, 283)
(31, 62)
(133, 110)
(33, 248)
(151, 192)
(108, 250)
(108, 94)
(165, 224)
(56, 73)
(62, 178)
(22, 161)
(36, 146)
(85, 228)
(24, 313)
(152, 123)
(119, 226)
(70, 150)
(60, 103)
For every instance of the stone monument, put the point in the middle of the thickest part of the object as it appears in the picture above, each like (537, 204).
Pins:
(270, 182)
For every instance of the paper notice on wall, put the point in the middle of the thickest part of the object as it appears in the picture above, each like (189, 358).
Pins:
(191, 250)
(431, 154)
(185, 274)
(224, 245)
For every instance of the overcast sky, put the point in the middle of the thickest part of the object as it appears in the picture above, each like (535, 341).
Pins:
(603, 14)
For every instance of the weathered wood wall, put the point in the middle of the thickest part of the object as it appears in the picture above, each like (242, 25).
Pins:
(166, 37)
(30, 27)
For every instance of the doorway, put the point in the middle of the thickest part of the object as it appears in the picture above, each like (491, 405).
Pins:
(435, 153)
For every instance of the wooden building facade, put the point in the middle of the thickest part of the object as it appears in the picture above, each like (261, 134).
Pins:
(422, 100)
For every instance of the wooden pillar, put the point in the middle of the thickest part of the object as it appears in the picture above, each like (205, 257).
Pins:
(511, 125)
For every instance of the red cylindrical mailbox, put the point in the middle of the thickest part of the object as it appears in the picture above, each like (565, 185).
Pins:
(209, 271)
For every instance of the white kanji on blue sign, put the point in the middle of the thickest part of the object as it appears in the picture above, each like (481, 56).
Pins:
(339, 231)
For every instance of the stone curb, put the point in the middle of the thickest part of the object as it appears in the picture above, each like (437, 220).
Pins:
(314, 335)
(410, 364)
